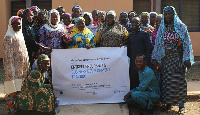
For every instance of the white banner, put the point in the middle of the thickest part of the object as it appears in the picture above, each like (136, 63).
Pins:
(97, 75)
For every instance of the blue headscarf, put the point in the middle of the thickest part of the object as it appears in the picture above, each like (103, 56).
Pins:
(181, 29)
(127, 24)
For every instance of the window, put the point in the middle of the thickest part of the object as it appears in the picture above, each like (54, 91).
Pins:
(43, 4)
(187, 10)
(141, 6)
(17, 5)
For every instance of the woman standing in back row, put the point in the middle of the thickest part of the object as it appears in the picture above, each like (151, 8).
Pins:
(173, 51)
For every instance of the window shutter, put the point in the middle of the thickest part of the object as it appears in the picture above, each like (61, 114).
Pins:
(141, 6)
(17, 5)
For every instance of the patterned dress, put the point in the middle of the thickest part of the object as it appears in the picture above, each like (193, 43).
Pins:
(16, 63)
(173, 82)
(111, 36)
(36, 94)
(51, 38)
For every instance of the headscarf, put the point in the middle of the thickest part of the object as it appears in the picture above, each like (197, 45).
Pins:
(127, 24)
(67, 14)
(25, 21)
(35, 7)
(112, 12)
(11, 32)
(50, 26)
(147, 14)
(152, 13)
(77, 7)
(90, 15)
(77, 19)
(41, 58)
(20, 11)
(181, 29)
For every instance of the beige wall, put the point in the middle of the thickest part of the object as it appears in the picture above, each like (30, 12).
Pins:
(4, 4)
(90, 5)
(195, 38)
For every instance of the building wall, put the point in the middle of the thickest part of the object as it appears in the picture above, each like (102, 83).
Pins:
(4, 4)
(90, 5)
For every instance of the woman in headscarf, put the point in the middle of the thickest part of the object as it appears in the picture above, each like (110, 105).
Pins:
(173, 51)
(61, 11)
(145, 22)
(42, 19)
(101, 19)
(131, 14)
(36, 97)
(51, 34)
(30, 34)
(76, 12)
(89, 22)
(82, 37)
(67, 20)
(15, 60)
(123, 20)
(112, 33)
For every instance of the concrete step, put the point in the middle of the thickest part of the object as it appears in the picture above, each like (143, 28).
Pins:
(94, 109)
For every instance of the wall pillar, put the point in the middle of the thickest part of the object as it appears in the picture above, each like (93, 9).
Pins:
(157, 6)
(28, 3)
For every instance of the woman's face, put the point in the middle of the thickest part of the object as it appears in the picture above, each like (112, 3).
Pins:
(101, 18)
(54, 19)
(87, 20)
(16, 25)
(35, 12)
(29, 17)
(152, 18)
(168, 17)
(45, 65)
(41, 16)
(131, 16)
(80, 25)
(95, 16)
(123, 18)
(61, 12)
(158, 21)
(110, 19)
(76, 13)
(67, 20)
(144, 19)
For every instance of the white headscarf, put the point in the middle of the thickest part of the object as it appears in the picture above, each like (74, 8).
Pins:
(90, 15)
(51, 26)
(11, 32)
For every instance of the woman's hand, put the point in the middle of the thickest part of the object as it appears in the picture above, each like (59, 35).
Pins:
(88, 46)
(187, 64)
(127, 96)
(67, 38)
(179, 43)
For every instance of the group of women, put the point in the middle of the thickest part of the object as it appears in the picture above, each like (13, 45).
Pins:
(34, 33)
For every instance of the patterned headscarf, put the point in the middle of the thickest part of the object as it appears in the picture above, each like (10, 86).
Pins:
(77, 19)
(35, 7)
(77, 7)
(41, 58)
(181, 29)
(147, 14)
